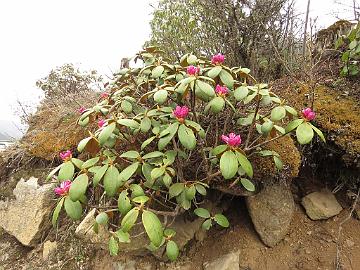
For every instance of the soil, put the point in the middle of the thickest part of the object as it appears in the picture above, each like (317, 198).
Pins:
(309, 245)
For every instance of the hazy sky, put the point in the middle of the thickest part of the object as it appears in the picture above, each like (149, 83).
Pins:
(39, 35)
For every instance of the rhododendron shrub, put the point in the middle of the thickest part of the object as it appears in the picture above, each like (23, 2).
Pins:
(162, 134)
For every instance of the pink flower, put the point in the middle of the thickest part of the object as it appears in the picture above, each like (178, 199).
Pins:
(218, 59)
(63, 189)
(232, 140)
(221, 90)
(101, 123)
(104, 95)
(192, 70)
(181, 112)
(82, 109)
(66, 155)
(308, 114)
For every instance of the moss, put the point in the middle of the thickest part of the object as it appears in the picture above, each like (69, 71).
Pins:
(264, 167)
(48, 135)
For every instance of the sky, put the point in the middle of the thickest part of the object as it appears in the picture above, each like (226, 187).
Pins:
(38, 35)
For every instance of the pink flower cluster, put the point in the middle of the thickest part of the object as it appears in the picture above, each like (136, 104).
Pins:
(104, 95)
(66, 155)
(181, 112)
(232, 140)
(221, 90)
(218, 59)
(63, 189)
(82, 109)
(192, 70)
(101, 123)
(308, 114)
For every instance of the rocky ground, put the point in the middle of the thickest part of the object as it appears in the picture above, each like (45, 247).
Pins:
(307, 244)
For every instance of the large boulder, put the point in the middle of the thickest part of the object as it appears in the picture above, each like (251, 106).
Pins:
(271, 212)
(321, 205)
(27, 217)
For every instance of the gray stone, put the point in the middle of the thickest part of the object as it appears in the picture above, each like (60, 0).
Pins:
(48, 249)
(321, 205)
(271, 212)
(28, 216)
(227, 262)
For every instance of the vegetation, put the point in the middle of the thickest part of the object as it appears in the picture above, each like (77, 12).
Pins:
(261, 35)
(164, 133)
(351, 53)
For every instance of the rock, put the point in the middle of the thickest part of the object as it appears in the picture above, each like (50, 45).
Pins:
(321, 205)
(226, 262)
(271, 212)
(48, 249)
(27, 217)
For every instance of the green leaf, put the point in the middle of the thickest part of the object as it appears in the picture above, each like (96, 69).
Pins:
(99, 174)
(201, 189)
(318, 132)
(146, 170)
(304, 133)
(191, 59)
(136, 190)
(278, 163)
(245, 164)
(205, 88)
(128, 123)
(160, 96)
(293, 124)
(169, 232)
(219, 149)
(172, 129)
(106, 132)
(66, 171)
(172, 250)
(228, 164)
(216, 105)
(154, 154)
(56, 212)
(113, 246)
(221, 220)
(147, 142)
(102, 218)
(207, 224)
(78, 187)
(145, 124)
(176, 189)
(153, 227)
(156, 72)
(124, 204)
(129, 219)
(212, 73)
(141, 199)
(247, 184)
(291, 110)
(130, 154)
(278, 113)
(128, 172)
(123, 237)
(226, 78)
(111, 180)
(82, 144)
(157, 172)
(202, 212)
(187, 137)
(126, 106)
(77, 162)
(190, 192)
(51, 174)
(73, 209)
(241, 92)
(89, 163)
(266, 127)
